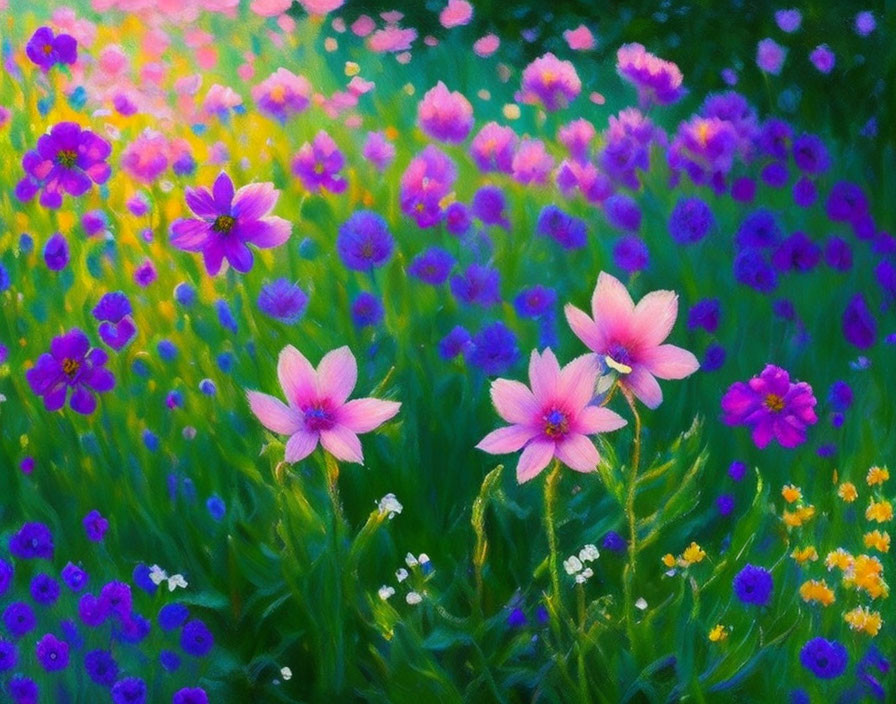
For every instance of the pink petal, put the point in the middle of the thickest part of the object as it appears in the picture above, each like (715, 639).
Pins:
(598, 420)
(270, 232)
(342, 443)
(508, 439)
(364, 414)
(644, 386)
(669, 362)
(612, 307)
(654, 317)
(189, 235)
(544, 375)
(274, 414)
(337, 375)
(297, 377)
(577, 382)
(534, 459)
(254, 201)
(578, 452)
(585, 328)
(513, 401)
(300, 445)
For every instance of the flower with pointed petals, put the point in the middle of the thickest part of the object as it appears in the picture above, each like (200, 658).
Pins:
(317, 408)
(228, 221)
(629, 337)
(553, 419)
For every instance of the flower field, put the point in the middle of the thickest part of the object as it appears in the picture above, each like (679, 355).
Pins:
(361, 355)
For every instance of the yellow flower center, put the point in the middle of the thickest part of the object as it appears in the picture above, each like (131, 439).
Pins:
(70, 366)
(774, 403)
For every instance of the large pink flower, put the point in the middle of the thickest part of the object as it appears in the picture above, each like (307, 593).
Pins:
(553, 419)
(630, 337)
(316, 407)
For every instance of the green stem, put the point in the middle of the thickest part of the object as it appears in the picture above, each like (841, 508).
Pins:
(629, 576)
(333, 491)
(580, 646)
(550, 491)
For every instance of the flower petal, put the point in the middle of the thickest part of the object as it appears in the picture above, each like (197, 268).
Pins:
(213, 256)
(190, 235)
(654, 317)
(578, 452)
(83, 401)
(300, 445)
(254, 201)
(297, 377)
(364, 414)
(513, 401)
(612, 307)
(544, 375)
(337, 375)
(577, 382)
(239, 255)
(642, 384)
(585, 328)
(274, 414)
(223, 194)
(534, 459)
(266, 233)
(669, 362)
(342, 443)
(598, 420)
(507, 439)
(201, 202)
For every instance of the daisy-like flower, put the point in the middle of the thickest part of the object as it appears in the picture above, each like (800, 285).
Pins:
(317, 409)
(629, 337)
(553, 418)
(228, 221)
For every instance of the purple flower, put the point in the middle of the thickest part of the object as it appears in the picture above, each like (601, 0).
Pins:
(6, 574)
(846, 202)
(773, 406)
(432, 266)
(19, 619)
(532, 163)
(805, 193)
(427, 180)
(775, 174)
(705, 314)
(885, 273)
(67, 160)
(753, 585)
(751, 269)
(743, 190)
(788, 20)
(113, 306)
(577, 137)
(630, 254)
(859, 326)
(797, 253)
(488, 205)
(95, 526)
(838, 254)
(116, 598)
(454, 343)
(783, 308)
(713, 358)
(283, 301)
(823, 58)
(52, 653)
(494, 349)
(44, 589)
(93, 611)
(493, 147)
(457, 218)
(190, 695)
(318, 165)
(733, 108)
(770, 56)
(74, 577)
(737, 470)
(568, 231)
(32, 541)
(535, 302)
(196, 639)
(71, 364)
(691, 220)
(228, 221)
(9, 656)
(23, 690)
(704, 148)
(657, 81)
(775, 138)
(364, 241)
(173, 616)
(130, 690)
(169, 660)
(623, 212)
(516, 618)
(101, 667)
(478, 284)
(367, 310)
(865, 23)
(145, 274)
(282, 95)
(826, 659)
(614, 542)
(759, 229)
(550, 82)
(445, 115)
(378, 150)
(46, 50)
(56, 253)
(725, 504)
(810, 154)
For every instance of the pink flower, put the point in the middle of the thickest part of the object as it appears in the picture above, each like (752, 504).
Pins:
(320, 7)
(532, 163)
(553, 419)
(392, 38)
(550, 82)
(282, 94)
(145, 158)
(316, 407)
(580, 38)
(456, 13)
(270, 8)
(629, 337)
(363, 26)
(445, 115)
(770, 56)
(486, 46)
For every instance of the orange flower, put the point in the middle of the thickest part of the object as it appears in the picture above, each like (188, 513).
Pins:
(838, 558)
(878, 540)
(863, 619)
(817, 591)
(847, 492)
(877, 475)
(804, 555)
(880, 511)
(791, 493)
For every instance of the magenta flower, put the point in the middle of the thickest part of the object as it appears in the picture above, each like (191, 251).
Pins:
(629, 337)
(493, 147)
(773, 406)
(428, 179)
(445, 115)
(282, 94)
(658, 81)
(227, 222)
(316, 407)
(553, 419)
(704, 147)
(770, 56)
(318, 164)
(67, 160)
(550, 82)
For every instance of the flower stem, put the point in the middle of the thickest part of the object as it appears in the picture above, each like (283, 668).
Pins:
(550, 490)
(333, 491)
(629, 576)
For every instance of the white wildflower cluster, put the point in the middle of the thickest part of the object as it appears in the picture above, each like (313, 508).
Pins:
(157, 575)
(414, 577)
(389, 505)
(577, 565)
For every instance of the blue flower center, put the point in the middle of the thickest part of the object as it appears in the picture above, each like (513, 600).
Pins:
(67, 157)
(318, 418)
(556, 424)
(224, 224)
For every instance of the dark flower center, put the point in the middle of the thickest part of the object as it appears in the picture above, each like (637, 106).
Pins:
(70, 367)
(224, 224)
(67, 157)
(318, 418)
(48, 49)
(556, 424)
(774, 403)
(367, 250)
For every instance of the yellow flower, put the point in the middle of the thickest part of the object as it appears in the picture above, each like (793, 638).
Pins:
(847, 492)
(866, 574)
(863, 619)
(693, 553)
(838, 558)
(877, 475)
(669, 559)
(718, 633)
(878, 540)
(805, 513)
(817, 591)
(805, 554)
(880, 511)
(791, 493)
(791, 519)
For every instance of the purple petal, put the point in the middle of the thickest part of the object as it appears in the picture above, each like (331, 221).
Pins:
(270, 232)
(223, 193)
(254, 201)
(83, 401)
(201, 202)
(190, 235)
(239, 255)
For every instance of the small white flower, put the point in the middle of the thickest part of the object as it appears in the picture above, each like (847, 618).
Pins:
(589, 553)
(671, 573)
(581, 578)
(401, 574)
(286, 673)
(157, 575)
(389, 504)
(386, 591)
(413, 598)
(588, 573)
(410, 560)
(641, 603)
(176, 581)
(572, 564)
(423, 559)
